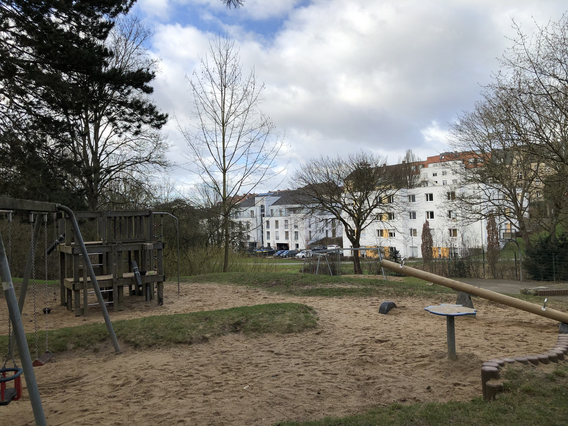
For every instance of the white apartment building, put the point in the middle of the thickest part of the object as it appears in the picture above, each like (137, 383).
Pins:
(278, 220)
(401, 222)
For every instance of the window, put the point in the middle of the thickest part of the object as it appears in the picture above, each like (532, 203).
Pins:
(452, 214)
(252, 213)
(276, 224)
(451, 195)
(434, 174)
(391, 216)
(390, 199)
(444, 182)
(429, 215)
(295, 235)
(383, 217)
(286, 224)
(271, 212)
(295, 226)
(412, 198)
(382, 233)
(310, 235)
(267, 224)
(392, 234)
(519, 175)
(277, 235)
(267, 235)
(429, 197)
(453, 233)
(454, 181)
(444, 173)
(286, 235)
(413, 232)
(412, 215)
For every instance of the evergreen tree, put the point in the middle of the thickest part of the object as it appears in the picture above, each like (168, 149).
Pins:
(493, 248)
(427, 243)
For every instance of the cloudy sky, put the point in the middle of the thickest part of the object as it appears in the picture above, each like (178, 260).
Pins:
(344, 75)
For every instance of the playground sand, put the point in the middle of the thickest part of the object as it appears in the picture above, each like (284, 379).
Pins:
(356, 359)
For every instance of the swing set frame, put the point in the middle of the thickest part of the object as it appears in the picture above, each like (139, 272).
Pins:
(15, 306)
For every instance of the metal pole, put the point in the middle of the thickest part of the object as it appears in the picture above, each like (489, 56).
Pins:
(451, 332)
(87, 263)
(14, 312)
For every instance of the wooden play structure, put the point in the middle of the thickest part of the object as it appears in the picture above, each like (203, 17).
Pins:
(127, 251)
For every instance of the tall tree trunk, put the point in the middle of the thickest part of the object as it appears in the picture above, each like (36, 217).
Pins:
(227, 245)
(357, 263)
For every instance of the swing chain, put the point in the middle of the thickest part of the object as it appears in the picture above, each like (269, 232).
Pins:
(34, 281)
(46, 284)
(10, 354)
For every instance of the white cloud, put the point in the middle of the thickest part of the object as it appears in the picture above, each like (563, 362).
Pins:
(346, 75)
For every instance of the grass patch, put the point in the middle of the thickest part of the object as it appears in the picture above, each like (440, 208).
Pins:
(532, 398)
(195, 327)
(322, 285)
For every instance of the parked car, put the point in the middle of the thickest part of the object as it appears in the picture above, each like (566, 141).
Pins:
(291, 253)
(335, 249)
(303, 254)
(265, 251)
(319, 249)
(278, 253)
(284, 253)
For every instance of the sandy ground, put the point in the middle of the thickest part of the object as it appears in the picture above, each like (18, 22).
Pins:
(356, 359)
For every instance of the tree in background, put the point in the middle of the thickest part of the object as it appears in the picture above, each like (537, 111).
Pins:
(500, 179)
(355, 190)
(74, 81)
(233, 145)
(493, 247)
(520, 130)
(427, 244)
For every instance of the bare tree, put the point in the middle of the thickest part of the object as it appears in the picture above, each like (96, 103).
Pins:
(520, 130)
(534, 72)
(234, 145)
(498, 173)
(356, 191)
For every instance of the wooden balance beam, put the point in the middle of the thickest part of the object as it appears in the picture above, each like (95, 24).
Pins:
(476, 291)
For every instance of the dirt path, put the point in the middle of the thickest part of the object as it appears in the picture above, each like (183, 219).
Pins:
(356, 359)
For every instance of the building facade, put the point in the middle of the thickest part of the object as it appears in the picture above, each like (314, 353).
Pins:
(280, 220)
(401, 220)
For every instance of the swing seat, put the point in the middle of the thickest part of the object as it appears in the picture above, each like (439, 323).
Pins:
(10, 394)
(43, 359)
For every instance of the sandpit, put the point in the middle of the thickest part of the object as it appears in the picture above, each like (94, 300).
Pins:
(356, 359)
